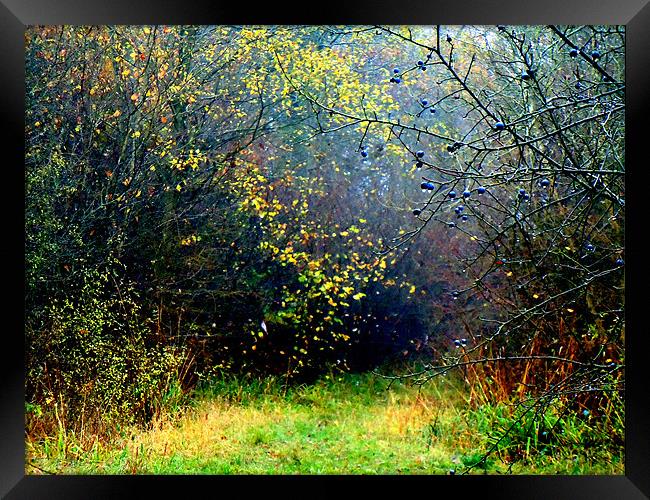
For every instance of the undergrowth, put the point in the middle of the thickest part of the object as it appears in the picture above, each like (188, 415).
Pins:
(341, 424)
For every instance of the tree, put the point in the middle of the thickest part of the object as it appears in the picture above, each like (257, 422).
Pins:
(362, 192)
(529, 173)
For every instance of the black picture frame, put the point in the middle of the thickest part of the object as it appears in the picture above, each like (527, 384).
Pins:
(15, 15)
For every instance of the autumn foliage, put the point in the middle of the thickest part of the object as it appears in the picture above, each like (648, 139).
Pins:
(289, 200)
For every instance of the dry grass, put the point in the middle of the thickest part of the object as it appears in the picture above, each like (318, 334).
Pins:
(352, 425)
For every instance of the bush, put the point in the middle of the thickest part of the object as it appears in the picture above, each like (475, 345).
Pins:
(92, 364)
(551, 427)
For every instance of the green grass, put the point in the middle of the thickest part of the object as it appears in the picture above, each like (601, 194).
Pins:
(349, 424)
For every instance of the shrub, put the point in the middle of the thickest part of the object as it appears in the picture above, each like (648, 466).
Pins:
(92, 364)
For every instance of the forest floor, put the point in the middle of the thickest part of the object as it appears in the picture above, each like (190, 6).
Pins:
(347, 424)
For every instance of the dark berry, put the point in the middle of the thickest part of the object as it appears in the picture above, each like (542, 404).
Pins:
(499, 126)
(595, 54)
(545, 183)
(452, 194)
(573, 52)
(480, 190)
(419, 154)
(466, 193)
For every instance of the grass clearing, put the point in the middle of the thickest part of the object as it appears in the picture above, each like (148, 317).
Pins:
(350, 424)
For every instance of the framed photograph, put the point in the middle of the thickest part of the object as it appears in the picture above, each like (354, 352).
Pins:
(388, 246)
